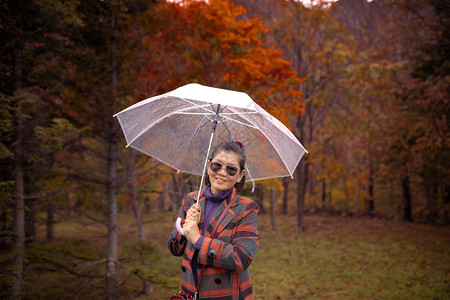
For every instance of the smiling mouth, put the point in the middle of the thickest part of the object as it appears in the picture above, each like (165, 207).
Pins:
(219, 180)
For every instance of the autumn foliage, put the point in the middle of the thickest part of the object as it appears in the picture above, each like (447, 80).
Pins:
(363, 85)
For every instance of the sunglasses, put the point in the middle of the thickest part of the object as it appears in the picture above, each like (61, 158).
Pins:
(216, 167)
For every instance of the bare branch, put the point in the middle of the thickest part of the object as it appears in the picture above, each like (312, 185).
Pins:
(93, 263)
(69, 270)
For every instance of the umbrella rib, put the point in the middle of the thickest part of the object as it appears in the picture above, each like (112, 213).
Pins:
(270, 141)
(212, 113)
(251, 178)
(199, 106)
(180, 111)
(206, 115)
(204, 122)
(242, 123)
(278, 153)
(226, 127)
(241, 113)
(194, 113)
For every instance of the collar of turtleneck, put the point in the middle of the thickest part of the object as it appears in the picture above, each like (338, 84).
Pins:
(219, 197)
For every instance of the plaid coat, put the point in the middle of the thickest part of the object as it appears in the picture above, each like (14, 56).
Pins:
(227, 257)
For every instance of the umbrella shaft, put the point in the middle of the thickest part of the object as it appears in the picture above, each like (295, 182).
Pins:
(206, 162)
(209, 149)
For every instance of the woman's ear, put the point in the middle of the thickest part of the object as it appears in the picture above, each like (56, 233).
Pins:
(241, 175)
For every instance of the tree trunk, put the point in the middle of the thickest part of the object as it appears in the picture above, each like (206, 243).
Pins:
(446, 200)
(18, 189)
(347, 196)
(146, 284)
(272, 211)
(134, 199)
(19, 211)
(3, 221)
(50, 220)
(330, 200)
(392, 210)
(302, 174)
(137, 212)
(19, 223)
(302, 181)
(147, 204)
(147, 287)
(259, 197)
(112, 221)
(324, 194)
(431, 191)
(161, 206)
(370, 204)
(357, 193)
(285, 195)
(446, 197)
(406, 203)
(30, 224)
(111, 288)
(173, 193)
(176, 192)
(312, 183)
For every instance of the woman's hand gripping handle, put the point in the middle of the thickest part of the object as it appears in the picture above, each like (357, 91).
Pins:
(190, 227)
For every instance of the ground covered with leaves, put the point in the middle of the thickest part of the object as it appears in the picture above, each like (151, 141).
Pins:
(335, 258)
(353, 258)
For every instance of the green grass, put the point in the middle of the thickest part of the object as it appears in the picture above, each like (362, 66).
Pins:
(352, 258)
(336, 258)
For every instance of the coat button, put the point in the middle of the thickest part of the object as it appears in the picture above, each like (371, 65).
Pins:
(217, 280)
(212, 253)
(183, 268)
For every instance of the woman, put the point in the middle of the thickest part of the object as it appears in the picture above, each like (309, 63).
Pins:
(226, 256)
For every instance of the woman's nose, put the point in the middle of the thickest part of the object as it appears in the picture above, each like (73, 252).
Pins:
(222, 171)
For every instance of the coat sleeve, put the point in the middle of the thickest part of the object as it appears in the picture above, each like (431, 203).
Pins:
(238, 254)
(177, 242)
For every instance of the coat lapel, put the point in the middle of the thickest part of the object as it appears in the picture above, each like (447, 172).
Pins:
(202, 202)
(227, 219)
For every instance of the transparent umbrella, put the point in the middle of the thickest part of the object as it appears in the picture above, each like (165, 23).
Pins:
(180, 127)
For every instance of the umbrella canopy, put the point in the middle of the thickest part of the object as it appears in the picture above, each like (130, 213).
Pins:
(176, 128)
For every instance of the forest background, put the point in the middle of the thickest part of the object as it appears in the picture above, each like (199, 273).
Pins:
(363, 85)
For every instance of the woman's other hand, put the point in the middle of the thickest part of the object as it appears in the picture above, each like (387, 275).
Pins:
(191, 231)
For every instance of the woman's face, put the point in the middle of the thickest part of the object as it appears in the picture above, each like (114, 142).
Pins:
(221, 180)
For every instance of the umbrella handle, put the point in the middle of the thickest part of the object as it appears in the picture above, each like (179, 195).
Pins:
(178, 224)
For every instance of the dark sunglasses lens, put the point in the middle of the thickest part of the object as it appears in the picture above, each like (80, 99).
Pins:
(231, 170)
(215, 167)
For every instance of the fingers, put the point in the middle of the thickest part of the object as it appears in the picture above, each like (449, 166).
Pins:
(191, 217)
(188, 224)
(191, 231)
(194, 210)
(196, 206)
(194, 213)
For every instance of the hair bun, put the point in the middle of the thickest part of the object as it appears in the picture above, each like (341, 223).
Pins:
(239, 144)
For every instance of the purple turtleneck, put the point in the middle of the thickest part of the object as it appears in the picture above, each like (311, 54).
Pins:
(213, 202)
